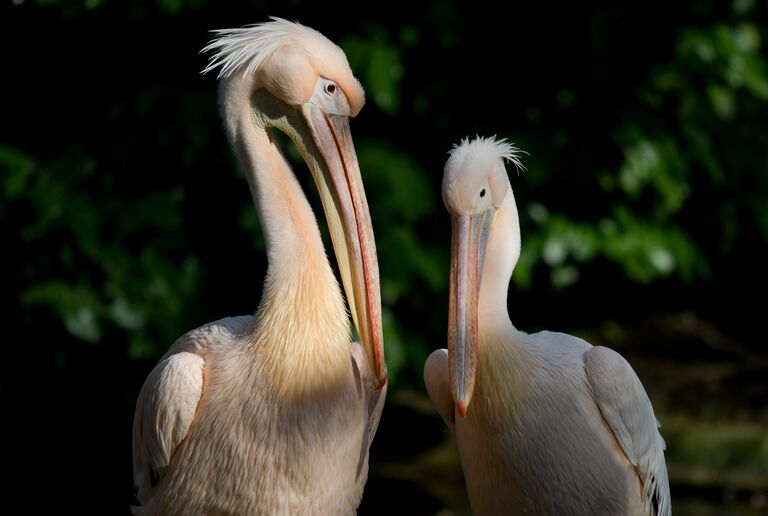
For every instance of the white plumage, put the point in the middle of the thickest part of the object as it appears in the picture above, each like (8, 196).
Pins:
(473, 151)
(555, 426)
(274, 413)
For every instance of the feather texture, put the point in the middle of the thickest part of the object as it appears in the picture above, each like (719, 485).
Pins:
(247, 51)
(272, 413)
(555, 426)
(483, 149)
(628, 412)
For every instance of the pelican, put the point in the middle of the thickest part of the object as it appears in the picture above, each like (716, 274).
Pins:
(557, 426)
(274, 413)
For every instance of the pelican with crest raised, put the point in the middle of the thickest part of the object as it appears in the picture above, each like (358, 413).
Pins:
(555, 426)
(274, 413)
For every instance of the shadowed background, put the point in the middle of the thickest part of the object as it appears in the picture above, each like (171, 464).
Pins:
(644, 214)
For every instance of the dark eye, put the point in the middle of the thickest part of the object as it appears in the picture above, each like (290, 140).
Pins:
(330, 89)
(482, 192)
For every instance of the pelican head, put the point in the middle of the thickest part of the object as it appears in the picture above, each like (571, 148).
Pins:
(475, 185)
(289, 77)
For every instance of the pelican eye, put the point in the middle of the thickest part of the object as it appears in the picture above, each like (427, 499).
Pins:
(330, 89)
(482, 192)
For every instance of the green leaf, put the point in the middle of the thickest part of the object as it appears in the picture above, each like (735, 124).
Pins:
(78, 306)
(17, 169)
(722, 100)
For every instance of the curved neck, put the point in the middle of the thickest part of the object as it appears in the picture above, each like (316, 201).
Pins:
(301, 306)
(286, 217)
(501, 255)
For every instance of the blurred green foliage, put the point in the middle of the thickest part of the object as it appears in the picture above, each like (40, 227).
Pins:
(644, 211)
(714, 91)
(671, 184)
(86, 272)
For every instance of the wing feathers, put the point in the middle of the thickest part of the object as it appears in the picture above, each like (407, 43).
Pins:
(436, 381)
(627, 410)
(164, 412)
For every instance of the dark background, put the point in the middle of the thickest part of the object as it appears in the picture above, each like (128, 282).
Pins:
(644, 213)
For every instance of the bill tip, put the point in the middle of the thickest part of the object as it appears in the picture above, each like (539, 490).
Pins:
(381, 382)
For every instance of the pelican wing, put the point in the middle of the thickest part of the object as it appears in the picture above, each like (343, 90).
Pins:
(626, 408)
(168, 400)
(164, 412)
(436, 381)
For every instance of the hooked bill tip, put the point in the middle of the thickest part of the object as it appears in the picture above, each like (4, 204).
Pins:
(382, 382)
(462, 408)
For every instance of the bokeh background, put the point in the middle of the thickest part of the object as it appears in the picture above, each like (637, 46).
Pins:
(644, 213)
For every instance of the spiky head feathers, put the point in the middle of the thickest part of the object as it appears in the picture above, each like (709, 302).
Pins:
(284, 57)
(475, 168)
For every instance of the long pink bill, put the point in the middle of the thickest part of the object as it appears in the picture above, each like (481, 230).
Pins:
(356, 249)
(468, 243)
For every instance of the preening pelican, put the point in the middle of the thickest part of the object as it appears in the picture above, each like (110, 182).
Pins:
(555, 425)
(274, 413)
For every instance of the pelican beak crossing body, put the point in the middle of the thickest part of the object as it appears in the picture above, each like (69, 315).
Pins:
(320, 130)
(346, 208)
(289, 369)
(469, 239)
(314, 112)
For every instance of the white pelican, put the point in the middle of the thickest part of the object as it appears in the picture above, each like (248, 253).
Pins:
(274, 413)
(557, 426)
